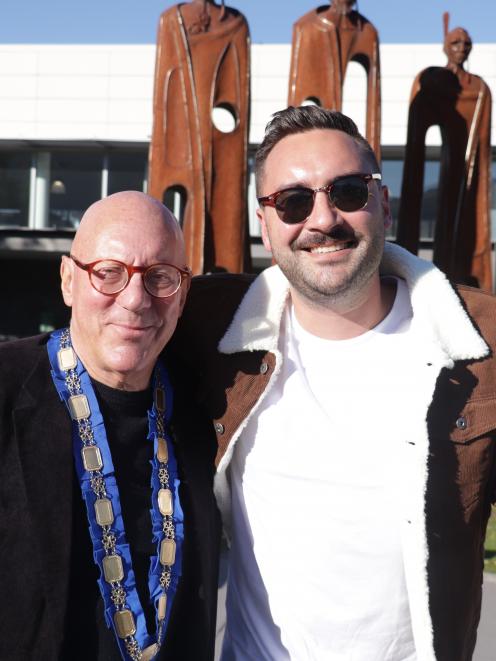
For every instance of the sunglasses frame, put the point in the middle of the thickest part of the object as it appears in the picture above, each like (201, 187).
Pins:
(271, 200)
(131, 270)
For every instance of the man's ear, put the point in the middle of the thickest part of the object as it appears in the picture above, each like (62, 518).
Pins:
(263, 226)
(67, 279)
(386, 207)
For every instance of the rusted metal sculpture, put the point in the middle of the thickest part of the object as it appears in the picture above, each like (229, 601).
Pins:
(460, 103)
(202, 64)
(324, 41)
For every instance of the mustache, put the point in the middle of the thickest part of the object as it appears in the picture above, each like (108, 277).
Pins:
(339, 233)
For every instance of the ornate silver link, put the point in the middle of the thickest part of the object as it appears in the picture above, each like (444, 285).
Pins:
(165, 578)
(65, 339)
(85, 431)
(109, 541)
(98, 485)
(133, 649)
(160, 423)
(118, 595)
(168, 527)
(73, 383)
(163, 476)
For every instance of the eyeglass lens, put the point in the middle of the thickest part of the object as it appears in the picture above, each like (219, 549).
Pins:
(346, 194)
(160, 280)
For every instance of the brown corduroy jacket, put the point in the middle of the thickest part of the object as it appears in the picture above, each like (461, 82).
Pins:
(230, 333)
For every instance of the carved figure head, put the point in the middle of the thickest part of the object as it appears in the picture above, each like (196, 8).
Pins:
(457, 43)
(198, 15)
(343, 6)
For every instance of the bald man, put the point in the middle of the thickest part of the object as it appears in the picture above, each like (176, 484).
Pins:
(108, 526)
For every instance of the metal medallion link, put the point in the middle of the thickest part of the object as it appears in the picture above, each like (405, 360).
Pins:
(97, 484)
(165, 578)
(109, 541)
(73, 383)
(118, 595)
(168, 527)
(133, 649)
(163, 476)
(85, 431)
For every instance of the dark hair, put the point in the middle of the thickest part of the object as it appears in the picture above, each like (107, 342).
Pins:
(306, 118)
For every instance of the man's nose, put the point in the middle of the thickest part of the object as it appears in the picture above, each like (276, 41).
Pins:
(134, 296)
(324, 214)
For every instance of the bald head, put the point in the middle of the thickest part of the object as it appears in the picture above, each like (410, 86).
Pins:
(119, 336)
(132, 211)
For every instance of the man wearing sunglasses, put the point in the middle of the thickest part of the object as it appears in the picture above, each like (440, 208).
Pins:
(106, 480)
(352, 395)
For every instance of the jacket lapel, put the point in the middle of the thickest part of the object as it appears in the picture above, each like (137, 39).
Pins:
(195, 477)
(436, 307)
(195, 447)
(43, 433)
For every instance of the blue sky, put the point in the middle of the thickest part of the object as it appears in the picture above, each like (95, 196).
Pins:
(132, 21)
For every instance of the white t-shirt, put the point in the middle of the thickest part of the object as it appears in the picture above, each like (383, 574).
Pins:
(316, 564)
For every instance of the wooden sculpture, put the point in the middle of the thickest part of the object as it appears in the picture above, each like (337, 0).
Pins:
(460, 103)
(324, 41)
(202, 64)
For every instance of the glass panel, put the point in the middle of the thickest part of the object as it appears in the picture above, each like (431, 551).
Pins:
(175, 199)
(31, 298)
(126, 171)
(14, 188)
(75, 183)
(392, 174)
(429, 199)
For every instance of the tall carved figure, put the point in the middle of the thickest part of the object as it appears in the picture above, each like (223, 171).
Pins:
(203, 64)
(460, 103)
(324, 41)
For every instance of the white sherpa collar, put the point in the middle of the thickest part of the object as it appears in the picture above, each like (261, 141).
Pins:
(436, 308)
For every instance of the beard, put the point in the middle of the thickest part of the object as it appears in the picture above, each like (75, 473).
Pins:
(332, 284)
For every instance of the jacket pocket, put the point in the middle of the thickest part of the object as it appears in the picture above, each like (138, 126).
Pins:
(478, 419)
(462, 454)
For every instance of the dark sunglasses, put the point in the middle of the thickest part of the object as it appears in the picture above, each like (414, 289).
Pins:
(347, 193)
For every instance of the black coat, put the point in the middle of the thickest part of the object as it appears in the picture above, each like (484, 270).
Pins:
(36, 509)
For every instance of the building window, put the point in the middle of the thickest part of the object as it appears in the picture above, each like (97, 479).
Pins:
(75, 183)
(392, 174)
(31, 302)
(14, 188)
(429, 199)
(126, 171)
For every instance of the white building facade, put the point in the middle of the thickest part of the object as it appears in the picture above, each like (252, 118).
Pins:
(75, 124)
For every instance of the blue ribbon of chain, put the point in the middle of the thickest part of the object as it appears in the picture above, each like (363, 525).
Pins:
(142, 636)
